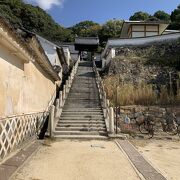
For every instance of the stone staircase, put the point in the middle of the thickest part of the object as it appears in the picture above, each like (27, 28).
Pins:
(82, 115)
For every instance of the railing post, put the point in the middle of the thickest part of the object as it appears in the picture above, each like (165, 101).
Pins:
(57, 108)
(111, 121)
(64, 93)
(67, 87)
(104, 101)
(60, 99)
(51, 121)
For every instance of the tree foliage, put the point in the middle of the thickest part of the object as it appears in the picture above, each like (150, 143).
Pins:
(34, 19)
(175, 18)
(111, 29)
(86, 29)
(163, 16)
(139, 16)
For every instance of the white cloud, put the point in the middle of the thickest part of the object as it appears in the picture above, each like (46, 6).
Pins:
(47, 4)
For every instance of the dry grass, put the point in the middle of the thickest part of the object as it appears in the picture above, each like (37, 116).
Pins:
(142, 94)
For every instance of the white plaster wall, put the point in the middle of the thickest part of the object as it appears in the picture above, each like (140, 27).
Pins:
(142, 41)
(115, 43)
(67, 55)
(50, 50)
(24, 88)
(112, 54)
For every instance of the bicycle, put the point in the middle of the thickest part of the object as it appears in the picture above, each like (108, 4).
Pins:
(170, 125)
(177, 119)
(146, 125)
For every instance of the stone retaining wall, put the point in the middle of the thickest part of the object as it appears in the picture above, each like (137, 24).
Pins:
(134, 113)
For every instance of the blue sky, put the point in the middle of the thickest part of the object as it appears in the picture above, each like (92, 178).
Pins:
(70, 12)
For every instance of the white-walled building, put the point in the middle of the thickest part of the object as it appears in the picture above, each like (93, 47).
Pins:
(138, 33)
(58, 57)
(136, 29)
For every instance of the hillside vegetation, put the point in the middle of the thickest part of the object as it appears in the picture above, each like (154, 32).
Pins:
(34, 19)
(145, 75)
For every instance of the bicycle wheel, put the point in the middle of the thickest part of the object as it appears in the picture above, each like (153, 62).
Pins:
(170, 130)
(178, 130)
(143, 129)
(151, 131)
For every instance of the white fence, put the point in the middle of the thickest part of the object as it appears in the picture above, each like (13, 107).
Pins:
(15, 130)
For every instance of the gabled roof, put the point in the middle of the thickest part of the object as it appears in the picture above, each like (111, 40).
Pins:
(116, 43)
(126, 25)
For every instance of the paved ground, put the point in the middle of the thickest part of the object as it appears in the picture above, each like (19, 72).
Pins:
(11, 165)
(141, 164)
(163, 154)
(78, 160)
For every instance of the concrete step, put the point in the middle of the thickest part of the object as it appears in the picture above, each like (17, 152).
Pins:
(80, 133)
(87, 100)
(90, 120)
(89, 113)
(88, 117)
(82, 110)
(81, 121)
(69, 106)
(81, 125)
(82, 117)
(83, 137)
(84, 129)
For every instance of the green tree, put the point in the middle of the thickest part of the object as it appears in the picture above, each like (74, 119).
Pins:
(86, 29)
(163, 16)
(139, 16)
(111, 29)
(175, 19)
(34, 19)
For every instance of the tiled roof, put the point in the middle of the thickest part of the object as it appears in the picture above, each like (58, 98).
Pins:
(87, 40)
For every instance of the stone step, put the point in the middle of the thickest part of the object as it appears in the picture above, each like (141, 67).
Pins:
(83, 109)
(82, 119)
(81, 125)
(83, 96)
(84, 129)
(88, 117)
(83, 99)
(80, 133)
(83, 112)
(83, 137)
(91, 113)
(70, 105)
(81, 116)
(80, 122)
